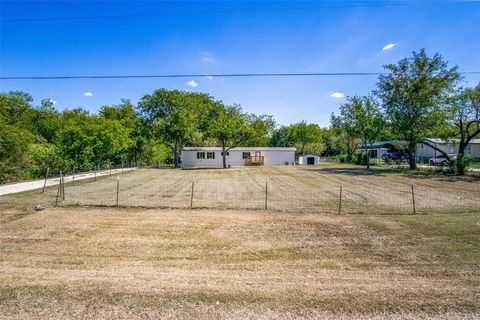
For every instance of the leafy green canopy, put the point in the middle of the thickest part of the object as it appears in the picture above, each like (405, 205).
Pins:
(415, 96)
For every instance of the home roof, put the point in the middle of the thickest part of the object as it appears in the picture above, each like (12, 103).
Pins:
(240, 149)
(448, 141)
(402, 144)
(386, 144)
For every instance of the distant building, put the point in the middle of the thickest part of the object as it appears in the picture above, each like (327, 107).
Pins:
(449, 146)
(424, 152)
(379, 148)
(240, 156)
(308, 159)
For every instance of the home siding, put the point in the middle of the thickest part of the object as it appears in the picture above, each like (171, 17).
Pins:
(235, 159)
(474, 152)
(425, 152)
(278, 157)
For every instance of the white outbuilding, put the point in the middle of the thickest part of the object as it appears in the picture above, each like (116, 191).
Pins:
(308, 159)
(240, 156)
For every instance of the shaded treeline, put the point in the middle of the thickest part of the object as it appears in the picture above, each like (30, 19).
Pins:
(36, 137)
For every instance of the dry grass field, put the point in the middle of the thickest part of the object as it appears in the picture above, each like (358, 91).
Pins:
(290, 189)
(137, 263)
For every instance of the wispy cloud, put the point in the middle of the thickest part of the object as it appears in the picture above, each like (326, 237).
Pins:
(209, 77)
(192, 83)
(88, 94)
(207, 57)
(337, 95)
(389, 46)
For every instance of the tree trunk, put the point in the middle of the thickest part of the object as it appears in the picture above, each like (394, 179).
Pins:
(412, 150)
(175, 155)
(180, 148)
(460, 162)
(367, 155)
(224, 155)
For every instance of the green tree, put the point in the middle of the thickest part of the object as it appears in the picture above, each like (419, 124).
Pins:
(125, 114)
(228, 127)
(15, 134)
(260, 130)
(170, 114)
(345, 131)
(365, 119)
(281, 137)
(466, 121)
(42, 156)
(306, 137)
(14, 160)
(414, 95)
(87, 140)
(332, 141)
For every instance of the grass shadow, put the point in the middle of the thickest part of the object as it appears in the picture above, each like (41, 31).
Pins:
(382, 171)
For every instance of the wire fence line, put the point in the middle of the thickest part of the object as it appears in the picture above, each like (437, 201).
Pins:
(279, 193)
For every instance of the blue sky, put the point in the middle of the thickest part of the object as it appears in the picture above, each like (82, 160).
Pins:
(347, 39)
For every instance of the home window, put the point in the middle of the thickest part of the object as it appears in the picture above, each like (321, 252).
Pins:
(210, 155)
(245, 155)
(228, 153)
(200, 155)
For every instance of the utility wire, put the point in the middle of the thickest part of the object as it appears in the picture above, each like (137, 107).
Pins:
(190, 13)
(226, 75)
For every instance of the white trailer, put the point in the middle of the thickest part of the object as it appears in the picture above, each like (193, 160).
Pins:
(240, 156)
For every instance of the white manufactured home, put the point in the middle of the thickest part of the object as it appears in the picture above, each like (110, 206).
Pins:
(240, 156)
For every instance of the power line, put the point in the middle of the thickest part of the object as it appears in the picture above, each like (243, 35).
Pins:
(225, 75)
(190, 13)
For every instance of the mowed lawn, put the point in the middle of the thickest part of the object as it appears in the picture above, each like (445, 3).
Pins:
(248, 263)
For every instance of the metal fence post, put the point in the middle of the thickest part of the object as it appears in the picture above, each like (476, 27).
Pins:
(63, 187)
(73, 177)
(46, 177)
(413, 199)
(118, 188)
(340, 201)
(191, 195)
(58, 190)
(266, 195)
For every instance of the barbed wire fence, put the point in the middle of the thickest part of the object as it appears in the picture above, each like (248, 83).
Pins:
(137, 189)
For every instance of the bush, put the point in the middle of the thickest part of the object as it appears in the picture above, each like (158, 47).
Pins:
(360, 158)
(43, 155)
(459, 166)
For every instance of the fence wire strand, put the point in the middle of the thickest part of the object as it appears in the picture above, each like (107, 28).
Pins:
(279, 192)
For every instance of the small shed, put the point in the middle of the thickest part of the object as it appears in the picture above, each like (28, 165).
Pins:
(308, 159)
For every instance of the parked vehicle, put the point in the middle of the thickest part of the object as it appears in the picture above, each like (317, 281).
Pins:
(392, 156)
(441, 160)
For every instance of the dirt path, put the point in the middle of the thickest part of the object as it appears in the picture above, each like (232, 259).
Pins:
(38, 184)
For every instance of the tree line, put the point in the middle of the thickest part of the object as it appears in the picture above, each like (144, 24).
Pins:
(154, 131)
(418, 98)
